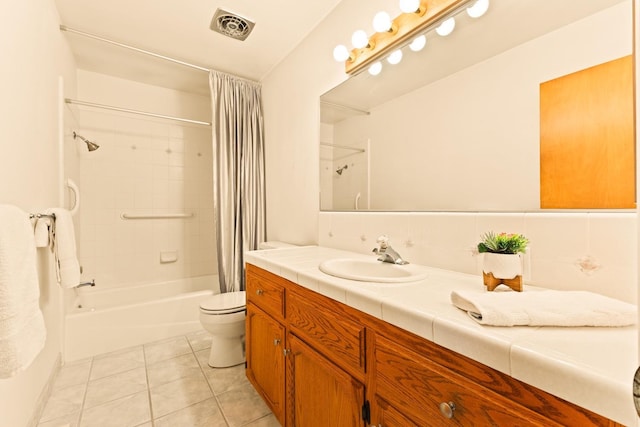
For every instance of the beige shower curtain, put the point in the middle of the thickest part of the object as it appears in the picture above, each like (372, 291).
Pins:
(238, 173)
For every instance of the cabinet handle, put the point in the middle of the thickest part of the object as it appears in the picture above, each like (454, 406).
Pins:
(447, 408)
(259, 291)
(286, 351)
(276, 341)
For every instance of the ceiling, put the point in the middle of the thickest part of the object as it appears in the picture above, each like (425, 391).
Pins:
(180, 29)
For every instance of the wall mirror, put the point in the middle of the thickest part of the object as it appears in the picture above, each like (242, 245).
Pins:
(456, 126)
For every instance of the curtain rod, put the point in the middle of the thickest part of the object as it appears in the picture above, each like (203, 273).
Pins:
(147, 52)
(137, 49)
(142, 113)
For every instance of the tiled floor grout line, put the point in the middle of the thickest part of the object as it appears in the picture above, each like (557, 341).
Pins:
(213, 392)
(86, 388)
(146, 374)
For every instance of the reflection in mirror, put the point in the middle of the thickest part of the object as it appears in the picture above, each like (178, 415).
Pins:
(456, 126)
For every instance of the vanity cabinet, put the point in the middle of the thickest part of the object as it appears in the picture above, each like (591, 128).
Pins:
(305, 356)
(318, 362)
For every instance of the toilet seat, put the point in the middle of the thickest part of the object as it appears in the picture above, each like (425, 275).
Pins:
(227, 303)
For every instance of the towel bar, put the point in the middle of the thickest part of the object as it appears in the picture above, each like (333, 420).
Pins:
(39, 215)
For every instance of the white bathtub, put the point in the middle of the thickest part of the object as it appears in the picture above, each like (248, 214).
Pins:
(111, 319)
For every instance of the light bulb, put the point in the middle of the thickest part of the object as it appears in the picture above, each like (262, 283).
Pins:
(478, 9)
(409, 6)
(359, 39)
(341, 53)
(418, 43)
(375, 68)
(446, 27)
(395, 57)
(382, 22)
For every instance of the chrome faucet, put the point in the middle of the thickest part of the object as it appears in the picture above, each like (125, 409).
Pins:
(91, 283)
(386, 252)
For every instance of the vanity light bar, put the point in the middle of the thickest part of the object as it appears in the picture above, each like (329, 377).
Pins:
(405, 27)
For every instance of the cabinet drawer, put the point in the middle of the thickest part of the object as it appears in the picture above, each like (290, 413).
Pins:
(265, 293)
(386, 415)
(417, 387)
(328, 327)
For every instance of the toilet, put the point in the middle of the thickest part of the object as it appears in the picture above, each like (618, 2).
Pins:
(223, 316)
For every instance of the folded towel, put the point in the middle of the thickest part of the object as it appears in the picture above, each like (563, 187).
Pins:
(22, 330)
(64, 248)
(544, 308)
(41, 232)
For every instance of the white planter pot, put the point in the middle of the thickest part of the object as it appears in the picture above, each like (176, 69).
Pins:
(502, 266)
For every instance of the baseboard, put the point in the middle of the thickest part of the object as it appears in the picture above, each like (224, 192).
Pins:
(46, 392)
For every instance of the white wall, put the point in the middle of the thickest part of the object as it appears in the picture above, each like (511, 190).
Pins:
(34, 55)
(143, 166)
(563, 246)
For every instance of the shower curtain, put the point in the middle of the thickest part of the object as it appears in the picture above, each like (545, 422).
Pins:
(238, 173)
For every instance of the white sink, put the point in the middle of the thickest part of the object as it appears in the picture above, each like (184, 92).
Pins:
(372, 270)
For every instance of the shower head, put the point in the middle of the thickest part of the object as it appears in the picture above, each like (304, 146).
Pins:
(340, 170)
(91, 146)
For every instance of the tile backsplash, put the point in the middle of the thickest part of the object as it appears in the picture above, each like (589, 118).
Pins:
(567, 251)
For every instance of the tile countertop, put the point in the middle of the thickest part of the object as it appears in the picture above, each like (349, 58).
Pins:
(591, 367)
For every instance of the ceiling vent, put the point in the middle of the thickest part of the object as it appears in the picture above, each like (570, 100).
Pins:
(231, 25)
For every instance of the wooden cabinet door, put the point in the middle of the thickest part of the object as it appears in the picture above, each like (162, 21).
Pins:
(319, 393)
(265, 358)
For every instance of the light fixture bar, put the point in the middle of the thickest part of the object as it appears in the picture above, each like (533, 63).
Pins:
(409, 25)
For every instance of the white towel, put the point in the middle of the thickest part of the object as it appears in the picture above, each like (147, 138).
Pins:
(64, 248)
(41, 232)
(22, 330)
(544, 308)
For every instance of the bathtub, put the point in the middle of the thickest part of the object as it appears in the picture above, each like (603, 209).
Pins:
(105, 320)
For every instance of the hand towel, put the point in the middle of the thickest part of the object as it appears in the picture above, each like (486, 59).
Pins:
(22, 330)
(544, 308)
(41, 232)
(64, 248)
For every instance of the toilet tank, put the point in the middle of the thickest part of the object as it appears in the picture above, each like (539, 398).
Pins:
(275, 245)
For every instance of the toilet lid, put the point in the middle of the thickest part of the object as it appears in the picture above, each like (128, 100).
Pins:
(230, 301)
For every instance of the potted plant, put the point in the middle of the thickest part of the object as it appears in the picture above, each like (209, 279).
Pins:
(502, 263)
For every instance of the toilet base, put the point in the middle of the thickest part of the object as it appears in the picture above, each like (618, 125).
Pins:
(226, 352)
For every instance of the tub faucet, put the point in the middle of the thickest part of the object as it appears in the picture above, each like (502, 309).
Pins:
(91, 283)
(386, 252)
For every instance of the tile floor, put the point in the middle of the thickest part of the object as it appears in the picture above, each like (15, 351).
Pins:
(161, 384)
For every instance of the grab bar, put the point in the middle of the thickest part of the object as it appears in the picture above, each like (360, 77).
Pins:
(156, 216)
(76, 196)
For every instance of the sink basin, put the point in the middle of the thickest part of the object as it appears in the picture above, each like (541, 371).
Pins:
(372, 270)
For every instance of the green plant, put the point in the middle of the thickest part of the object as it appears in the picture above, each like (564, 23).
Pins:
(503, 243)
